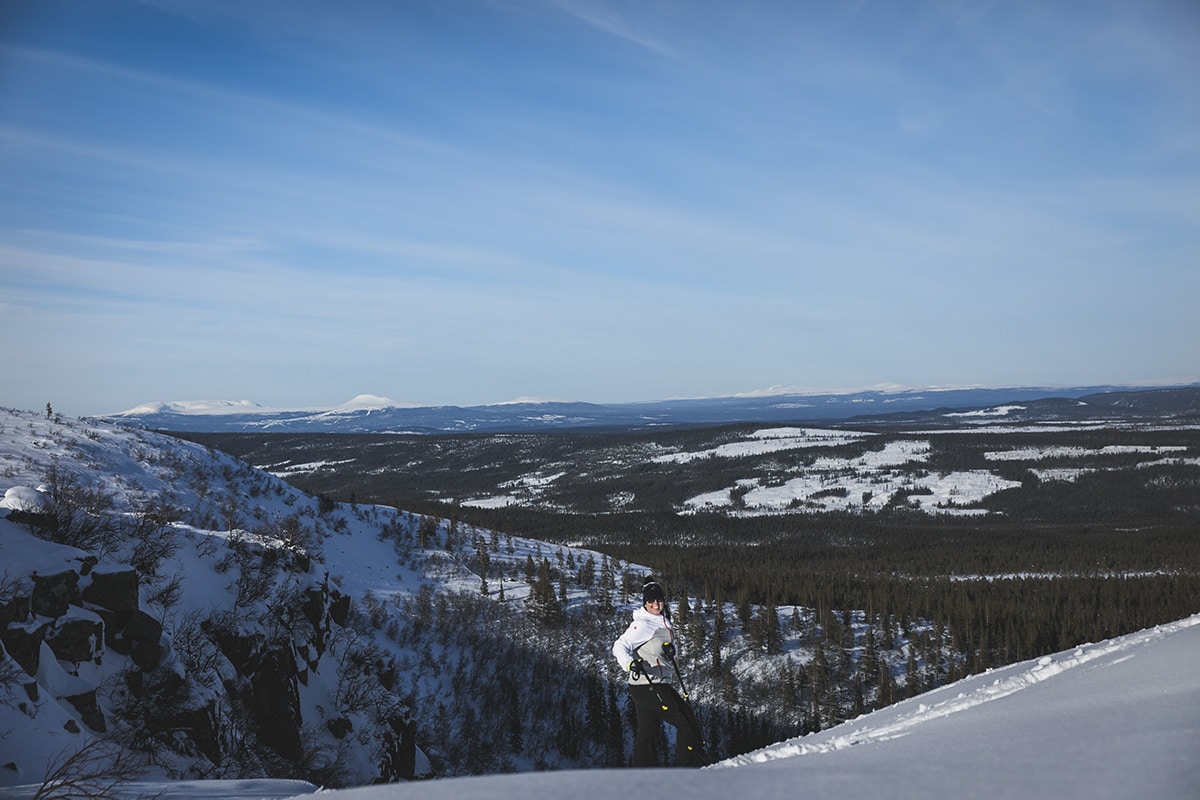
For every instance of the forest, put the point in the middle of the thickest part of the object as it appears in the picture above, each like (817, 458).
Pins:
(1095, 533)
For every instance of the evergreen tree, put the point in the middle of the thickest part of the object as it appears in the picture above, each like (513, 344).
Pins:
(717, 636)
(773, 639)
(542, 601)
(615, 743)
(516, 739)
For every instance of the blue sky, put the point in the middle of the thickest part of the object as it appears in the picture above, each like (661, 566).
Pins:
(296, 202)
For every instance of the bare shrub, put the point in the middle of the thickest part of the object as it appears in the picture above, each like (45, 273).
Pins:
(154, 538)
(80, 515)
(94, 771)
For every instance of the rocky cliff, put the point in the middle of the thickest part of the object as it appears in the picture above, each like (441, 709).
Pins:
(130, 614)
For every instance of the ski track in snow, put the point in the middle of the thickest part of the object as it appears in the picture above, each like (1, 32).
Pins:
(1007, 681)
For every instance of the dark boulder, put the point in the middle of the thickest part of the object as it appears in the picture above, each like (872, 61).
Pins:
(89, 710)
(142, 627)
(77, 639)
(116, 591)
(340, 727)
(146, 655)
(52, 594)
(15, 610)
(24, 644)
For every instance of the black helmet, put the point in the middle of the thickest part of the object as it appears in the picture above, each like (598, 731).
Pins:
(652, 591)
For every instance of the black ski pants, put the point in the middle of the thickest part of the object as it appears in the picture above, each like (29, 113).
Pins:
(660, 702)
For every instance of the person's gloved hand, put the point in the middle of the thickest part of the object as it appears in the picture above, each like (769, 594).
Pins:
(636, 669)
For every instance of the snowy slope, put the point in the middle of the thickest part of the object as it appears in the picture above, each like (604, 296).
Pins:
(1118, 719)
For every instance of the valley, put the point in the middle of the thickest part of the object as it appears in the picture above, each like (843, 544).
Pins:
(1017, 538)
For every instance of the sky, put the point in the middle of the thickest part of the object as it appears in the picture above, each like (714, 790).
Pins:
(464, 202)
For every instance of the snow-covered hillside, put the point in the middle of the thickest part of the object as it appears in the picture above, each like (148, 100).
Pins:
(174, 600)
(171, 600)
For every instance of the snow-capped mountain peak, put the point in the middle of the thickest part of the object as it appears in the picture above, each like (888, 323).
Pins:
(367, 402)
(195, 408)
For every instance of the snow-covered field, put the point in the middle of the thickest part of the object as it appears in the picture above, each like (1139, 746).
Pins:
(769, 440)
(833, 483)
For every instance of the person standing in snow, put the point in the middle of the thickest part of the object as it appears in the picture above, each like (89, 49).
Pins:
(646, 650)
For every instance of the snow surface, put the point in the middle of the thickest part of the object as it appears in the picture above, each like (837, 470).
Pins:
(996, 411)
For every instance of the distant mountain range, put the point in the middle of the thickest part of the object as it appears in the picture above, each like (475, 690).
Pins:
(369, 414)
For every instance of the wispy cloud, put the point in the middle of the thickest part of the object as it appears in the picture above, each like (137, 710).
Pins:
(663, 196)
(623, 20)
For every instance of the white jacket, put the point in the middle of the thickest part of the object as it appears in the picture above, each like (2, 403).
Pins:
(644, 639)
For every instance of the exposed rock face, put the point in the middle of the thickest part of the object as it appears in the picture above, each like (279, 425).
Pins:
(275, 702)
(270, 688)
(201, 724)
(248, 696)
(134, 603)
(399, 760)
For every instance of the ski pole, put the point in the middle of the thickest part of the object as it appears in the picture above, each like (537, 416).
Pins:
(668, 649)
